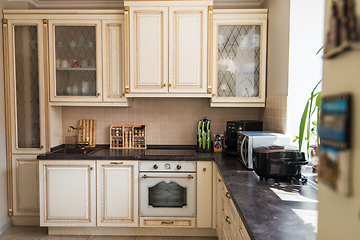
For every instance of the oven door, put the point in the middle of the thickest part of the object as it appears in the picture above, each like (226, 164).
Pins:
(167, 194)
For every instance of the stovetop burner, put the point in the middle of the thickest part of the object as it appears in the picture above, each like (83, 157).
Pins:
(170, 152)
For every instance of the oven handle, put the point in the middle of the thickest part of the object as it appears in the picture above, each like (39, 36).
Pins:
(146, 176)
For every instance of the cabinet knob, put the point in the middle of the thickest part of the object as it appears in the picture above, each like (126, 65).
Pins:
(228, 195)
(41, 147)
(91, 168)
(169, 84)
(227, 220)
(98, 94)
(164, 85)
(214, 95)
(204, 169)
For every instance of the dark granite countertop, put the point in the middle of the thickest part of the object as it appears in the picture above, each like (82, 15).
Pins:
(269, 209)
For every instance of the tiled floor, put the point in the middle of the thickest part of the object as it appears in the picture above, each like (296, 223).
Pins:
(36, 233)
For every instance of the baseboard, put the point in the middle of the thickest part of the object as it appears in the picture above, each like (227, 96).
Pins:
(25, 220)
(127, 231)
(5, 227)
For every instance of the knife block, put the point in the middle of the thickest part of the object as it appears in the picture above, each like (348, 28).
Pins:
(198, 149)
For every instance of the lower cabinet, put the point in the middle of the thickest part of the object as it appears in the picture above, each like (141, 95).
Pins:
(117, 193)
(204, 194)
(67, 193)
(88, 193)
(25, 185)
(229, 223)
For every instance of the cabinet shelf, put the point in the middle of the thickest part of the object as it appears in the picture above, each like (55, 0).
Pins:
(76, 69)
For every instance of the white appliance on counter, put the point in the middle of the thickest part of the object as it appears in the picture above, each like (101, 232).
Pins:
(247, 140)
(167, 188)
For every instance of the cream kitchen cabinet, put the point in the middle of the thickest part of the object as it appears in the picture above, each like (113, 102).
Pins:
(117, 193)
(204, 194)
(26, 185)
(87, 59)
(167, 48)
(67, 193)
(239, 58)
(25, 111)
(229, 224)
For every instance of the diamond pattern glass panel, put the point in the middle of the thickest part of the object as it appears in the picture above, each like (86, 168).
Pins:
(27, 86)
(75, 49)
(238, 60)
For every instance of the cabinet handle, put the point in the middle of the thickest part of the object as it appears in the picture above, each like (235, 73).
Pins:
(219, 180)
(228, 195)
(98, 94)
(91, 168)
(116, 162)
(227, 220)
(41, 147)
(167, 222)
(204, 169)
(214, 95)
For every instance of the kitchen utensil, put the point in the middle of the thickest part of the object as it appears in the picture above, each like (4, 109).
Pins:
(87, 129)
(203, 136)
(64, 63)
(199, 133)
(203, 133)
(208, 134)
(278, 162)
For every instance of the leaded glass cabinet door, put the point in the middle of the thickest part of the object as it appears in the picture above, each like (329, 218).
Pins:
(75, 60)
(26, 84)
(239, 56)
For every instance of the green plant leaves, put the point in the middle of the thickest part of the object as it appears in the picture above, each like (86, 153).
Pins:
(302, 125)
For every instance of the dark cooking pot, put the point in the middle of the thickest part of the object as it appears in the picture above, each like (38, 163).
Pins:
(278, 162)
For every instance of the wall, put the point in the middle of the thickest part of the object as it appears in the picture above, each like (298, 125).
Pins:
(305, 67)
(278, 47)
(168, 120)
(274, 115)
(339, 216)
(5, 222)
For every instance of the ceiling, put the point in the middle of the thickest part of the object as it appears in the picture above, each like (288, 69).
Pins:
(119, 4)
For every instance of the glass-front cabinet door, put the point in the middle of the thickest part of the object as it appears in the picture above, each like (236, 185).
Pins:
(25, 85)
(75, 60)
(239, 59)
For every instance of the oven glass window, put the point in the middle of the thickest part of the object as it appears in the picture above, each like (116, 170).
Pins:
(167, 195)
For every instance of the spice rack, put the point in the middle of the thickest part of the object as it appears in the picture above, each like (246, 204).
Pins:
(127, 136)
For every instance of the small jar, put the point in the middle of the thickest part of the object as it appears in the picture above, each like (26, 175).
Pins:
(113, 131)
(117, 143)
(113, 143)
(120, 143)
(117, 132)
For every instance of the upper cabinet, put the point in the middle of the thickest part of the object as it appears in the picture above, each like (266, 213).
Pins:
(24, 86)
(167, 48)
(75, 60)
(239, 58)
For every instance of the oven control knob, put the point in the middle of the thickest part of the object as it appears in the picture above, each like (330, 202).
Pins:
(167, 166)
(155, 166)
(178, 167)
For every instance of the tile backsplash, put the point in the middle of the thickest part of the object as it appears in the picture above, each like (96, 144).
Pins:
(168, 120)
(274, 114)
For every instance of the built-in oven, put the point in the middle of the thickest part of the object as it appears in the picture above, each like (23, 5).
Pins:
(167, 188)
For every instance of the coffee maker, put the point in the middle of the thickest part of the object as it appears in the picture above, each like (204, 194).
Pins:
(232, 128)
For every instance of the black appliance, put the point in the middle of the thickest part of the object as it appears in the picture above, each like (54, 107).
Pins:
(278, 162)
(232, 128)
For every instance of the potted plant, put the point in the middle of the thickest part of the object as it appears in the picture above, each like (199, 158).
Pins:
(308, 128)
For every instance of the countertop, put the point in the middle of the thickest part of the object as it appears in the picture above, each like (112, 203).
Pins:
(279, 210)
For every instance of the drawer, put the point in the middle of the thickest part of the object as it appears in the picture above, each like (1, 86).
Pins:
(169, 222)
(229, 221)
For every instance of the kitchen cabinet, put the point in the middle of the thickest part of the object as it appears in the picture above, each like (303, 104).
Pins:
(230, 225)
(239, 58)
(25, 93)
(75, 60)
(117, 193)
(204, 194)
(168, 48)
(26, 185)
(67, 193)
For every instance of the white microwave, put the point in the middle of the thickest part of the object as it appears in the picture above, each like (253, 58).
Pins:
(247, 140)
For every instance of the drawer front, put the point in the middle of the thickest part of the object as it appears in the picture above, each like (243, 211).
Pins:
(167, 222)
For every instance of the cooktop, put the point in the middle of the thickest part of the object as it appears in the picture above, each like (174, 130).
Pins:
(170, 152)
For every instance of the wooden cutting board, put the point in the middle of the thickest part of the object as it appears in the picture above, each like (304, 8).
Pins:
(87, 133)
